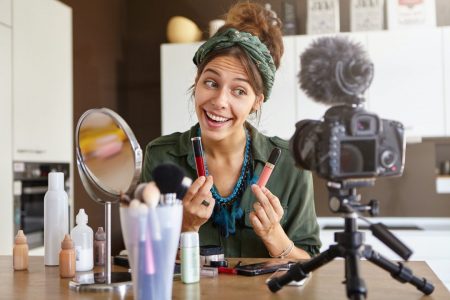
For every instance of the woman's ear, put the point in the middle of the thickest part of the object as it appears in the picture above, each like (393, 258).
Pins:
(258, 102)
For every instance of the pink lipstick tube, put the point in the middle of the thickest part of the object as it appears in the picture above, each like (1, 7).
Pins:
(198, 153)
(268, 168)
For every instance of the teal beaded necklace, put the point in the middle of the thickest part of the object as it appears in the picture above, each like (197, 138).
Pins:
(227, 209)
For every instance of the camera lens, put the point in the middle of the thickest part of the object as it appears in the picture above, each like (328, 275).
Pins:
(388, 158)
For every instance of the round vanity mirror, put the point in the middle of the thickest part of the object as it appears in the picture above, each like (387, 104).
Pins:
(109, 161)
(108, 155)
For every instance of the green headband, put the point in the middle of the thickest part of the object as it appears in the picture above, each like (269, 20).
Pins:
(257, 51)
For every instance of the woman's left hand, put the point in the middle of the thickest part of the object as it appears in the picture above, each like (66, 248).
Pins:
(267, 213)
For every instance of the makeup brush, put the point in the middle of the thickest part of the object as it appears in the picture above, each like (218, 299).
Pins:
(182, 189)
(138, 191)
(146, 260)
(124, 199)
(169, 179)
(150, 194)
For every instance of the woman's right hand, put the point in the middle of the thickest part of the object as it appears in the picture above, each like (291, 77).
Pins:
(198, 204)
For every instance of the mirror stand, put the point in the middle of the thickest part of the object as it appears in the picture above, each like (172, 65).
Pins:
(109, 161)
(103, 281)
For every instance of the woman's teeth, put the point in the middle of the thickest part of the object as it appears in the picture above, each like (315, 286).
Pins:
(216, 118)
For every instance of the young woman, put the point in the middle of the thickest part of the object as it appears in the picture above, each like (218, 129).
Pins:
(236, 70)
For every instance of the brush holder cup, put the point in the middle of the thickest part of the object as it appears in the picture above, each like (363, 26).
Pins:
(151, 238)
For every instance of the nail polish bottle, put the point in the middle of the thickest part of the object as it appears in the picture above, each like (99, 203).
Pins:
(20, 252)
(67, 258)
(99, 247)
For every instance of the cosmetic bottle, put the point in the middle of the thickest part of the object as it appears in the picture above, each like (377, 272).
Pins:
(56, 217)
(99, 247)
(67, 258)
(83, 236)
(20, 252)
(190, 257)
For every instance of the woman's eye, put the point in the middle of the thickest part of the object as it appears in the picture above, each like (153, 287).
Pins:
(240, 92)
(210, 83)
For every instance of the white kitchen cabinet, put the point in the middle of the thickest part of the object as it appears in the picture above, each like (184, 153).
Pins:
(5, 12)
(177, 76)
(42, 81)
(278, 114)
(446, 51)
(408, 81)
(6, 172)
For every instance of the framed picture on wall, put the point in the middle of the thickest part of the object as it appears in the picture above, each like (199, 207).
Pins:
(322, 16)
(408, 13)
(366, 15)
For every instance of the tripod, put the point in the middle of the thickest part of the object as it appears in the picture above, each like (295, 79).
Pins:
(350, 246)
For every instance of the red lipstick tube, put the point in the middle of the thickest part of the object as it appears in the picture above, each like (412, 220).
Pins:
(198, 153)
(225, 270)
(268, 168)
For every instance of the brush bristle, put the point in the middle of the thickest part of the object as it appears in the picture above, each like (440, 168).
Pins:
(168, 178)
(138, 191)
(151, 194)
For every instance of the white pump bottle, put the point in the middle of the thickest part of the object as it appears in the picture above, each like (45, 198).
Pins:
(83, 239)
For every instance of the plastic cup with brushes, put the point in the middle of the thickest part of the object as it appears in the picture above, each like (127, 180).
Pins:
(151, 226)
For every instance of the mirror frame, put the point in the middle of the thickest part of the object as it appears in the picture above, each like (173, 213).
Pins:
(86, 174)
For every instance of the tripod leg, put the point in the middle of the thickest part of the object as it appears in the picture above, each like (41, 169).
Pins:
(356, 288)
(398, 271)
(300, 271)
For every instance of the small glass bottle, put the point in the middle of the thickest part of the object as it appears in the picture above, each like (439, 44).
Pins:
(190, 257)
(20, 252)
(67, 258)
(99, 247)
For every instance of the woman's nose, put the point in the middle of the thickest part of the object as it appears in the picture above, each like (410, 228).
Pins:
(221, 98)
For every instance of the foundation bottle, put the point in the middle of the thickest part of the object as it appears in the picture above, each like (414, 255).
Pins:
(67, 258)
(20, 252)
(99, 247)
(190, 257)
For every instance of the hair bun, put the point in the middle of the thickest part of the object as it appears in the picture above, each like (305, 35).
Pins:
(254, 18)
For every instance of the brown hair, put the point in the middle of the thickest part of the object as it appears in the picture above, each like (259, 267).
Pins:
(255, 19)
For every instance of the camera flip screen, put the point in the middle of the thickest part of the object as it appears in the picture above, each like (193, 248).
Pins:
(358, 157)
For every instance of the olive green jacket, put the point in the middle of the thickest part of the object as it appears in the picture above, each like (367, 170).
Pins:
(291, 185)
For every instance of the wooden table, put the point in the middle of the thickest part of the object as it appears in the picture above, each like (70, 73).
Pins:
(41, 282)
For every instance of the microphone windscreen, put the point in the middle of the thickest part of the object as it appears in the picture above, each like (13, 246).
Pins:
(335, 70)
(168, 177)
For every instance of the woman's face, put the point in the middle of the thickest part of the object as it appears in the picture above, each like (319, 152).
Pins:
(224, 98)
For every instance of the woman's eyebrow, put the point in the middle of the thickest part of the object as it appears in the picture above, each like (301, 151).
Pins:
(234, 79)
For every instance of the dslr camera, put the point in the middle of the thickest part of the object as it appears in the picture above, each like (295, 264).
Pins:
(349, 142)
